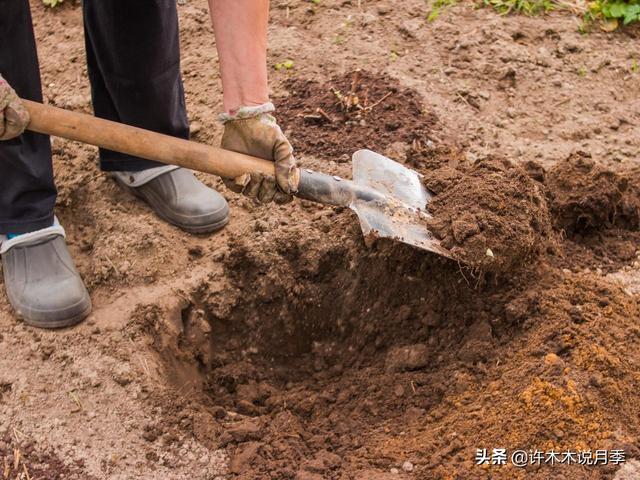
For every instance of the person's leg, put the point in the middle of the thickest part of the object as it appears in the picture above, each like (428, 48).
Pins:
(27, 190)
(40, 279)
(133, 58)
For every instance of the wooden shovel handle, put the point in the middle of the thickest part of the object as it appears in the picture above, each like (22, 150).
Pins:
(142, 143)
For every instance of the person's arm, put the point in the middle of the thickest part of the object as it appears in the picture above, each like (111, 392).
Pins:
(240, 28)
(241, 38)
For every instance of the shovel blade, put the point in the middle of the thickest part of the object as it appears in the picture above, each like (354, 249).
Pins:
(403, 214)
(390, 178)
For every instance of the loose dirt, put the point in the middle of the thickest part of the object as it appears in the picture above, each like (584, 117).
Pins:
(284, 347)
(356, 110)
(596, 209)
(24, 461)
(585, 196)
(490, 214)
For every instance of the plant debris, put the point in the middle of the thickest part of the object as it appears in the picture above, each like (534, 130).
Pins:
(349, 112)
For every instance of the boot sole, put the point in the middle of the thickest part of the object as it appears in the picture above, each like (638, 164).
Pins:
(67, 322)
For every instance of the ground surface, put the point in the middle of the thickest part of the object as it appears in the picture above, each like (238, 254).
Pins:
(285, 348)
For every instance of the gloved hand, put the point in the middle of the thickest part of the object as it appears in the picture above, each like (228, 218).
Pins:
(14, 117)
(253, 131)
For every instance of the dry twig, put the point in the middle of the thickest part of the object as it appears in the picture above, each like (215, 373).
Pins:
(372, 106)
(324, 115)
(16, 458)
(76, 400)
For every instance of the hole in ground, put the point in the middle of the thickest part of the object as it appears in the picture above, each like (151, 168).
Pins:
(317, 345)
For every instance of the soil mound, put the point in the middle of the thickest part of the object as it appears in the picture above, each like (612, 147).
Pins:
(349, 112)
(490, 214)
(584, 196)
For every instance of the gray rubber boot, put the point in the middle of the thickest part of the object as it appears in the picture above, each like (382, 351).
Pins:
(178, 197)
(41, 280)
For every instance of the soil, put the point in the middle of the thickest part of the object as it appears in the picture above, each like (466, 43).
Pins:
(490, 214)
(352, 111)
(585, 196)
(24, 461)
(284, 347)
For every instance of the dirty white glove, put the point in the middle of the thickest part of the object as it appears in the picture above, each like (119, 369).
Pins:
(14, 117)
(254, 131)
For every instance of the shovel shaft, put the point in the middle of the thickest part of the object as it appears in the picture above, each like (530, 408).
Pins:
(332, 190)
(142, 143)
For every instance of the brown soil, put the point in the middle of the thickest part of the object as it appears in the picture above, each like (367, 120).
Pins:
(585, 196)
(331, 365)
(22, 460)
(607, 251)
(283, 347)
(356, 110)
(596, 208)
(490, 214)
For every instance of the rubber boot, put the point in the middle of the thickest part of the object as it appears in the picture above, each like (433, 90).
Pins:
(178, 197)
(41, 280)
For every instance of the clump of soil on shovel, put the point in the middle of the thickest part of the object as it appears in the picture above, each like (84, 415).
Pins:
(349, 112)
(490, 214)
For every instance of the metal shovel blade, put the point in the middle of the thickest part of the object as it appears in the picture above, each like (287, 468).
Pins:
(400, 211)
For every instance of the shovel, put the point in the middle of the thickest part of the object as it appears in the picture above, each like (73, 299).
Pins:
(389, 199)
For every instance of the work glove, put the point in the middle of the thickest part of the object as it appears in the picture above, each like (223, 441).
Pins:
(254, 131)
(14, 117)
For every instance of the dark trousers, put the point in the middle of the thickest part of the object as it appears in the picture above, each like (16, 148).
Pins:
(133, 61)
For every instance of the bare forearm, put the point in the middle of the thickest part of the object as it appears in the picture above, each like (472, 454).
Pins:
(241, 38)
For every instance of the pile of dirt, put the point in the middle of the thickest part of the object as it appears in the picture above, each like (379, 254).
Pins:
(343, 361)
(585, 196)
(346, 360)
(560, 382)
(490, 214)
(355, 110)
(596, 209)
(496, 216)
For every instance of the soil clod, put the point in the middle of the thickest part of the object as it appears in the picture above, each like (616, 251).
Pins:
(490, 214)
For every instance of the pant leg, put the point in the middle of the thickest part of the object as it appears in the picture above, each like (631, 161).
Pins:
(133, 58)
(27, 190)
